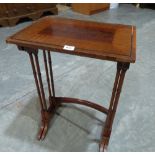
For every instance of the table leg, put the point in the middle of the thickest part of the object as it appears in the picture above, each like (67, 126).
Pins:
(121, 70)
(55, 102)
(52, 80)
(46, 111)
(49, 78)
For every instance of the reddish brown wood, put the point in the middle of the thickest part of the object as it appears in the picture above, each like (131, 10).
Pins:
(97, 40)
(47, 77)
(40, 81)
(36, 79)
(47, 116)
(51, 77)
(121, 70)
(81, 102)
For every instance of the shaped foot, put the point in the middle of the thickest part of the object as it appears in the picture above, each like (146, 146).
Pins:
(104, 145)
(46, 117)
(42, 131)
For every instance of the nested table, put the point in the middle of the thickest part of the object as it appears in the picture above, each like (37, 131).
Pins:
(113, 42)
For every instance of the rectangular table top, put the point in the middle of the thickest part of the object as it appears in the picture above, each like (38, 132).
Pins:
(115, 42)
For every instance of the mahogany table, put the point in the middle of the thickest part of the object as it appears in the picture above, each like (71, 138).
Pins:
(113, 42)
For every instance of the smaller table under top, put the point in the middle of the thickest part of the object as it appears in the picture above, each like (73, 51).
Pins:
(113, 42)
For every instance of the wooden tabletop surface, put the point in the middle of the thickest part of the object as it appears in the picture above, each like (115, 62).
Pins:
(113, 42)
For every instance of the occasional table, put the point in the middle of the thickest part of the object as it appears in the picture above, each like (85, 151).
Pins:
(112, 42)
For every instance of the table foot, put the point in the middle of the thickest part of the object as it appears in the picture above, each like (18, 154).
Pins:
(42, 131)
(46, 118)
(104, 145)
(104, 139)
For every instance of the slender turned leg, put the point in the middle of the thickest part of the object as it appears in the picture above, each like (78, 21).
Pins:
(45, 112)
(45, 120)
(36, 80)
(121, 70)
(48, 80)
(40, 80)
(51, 78)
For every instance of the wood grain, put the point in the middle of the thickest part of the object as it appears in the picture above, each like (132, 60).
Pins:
(114, 42)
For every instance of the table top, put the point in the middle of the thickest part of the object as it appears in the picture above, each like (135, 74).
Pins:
(115, 42)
